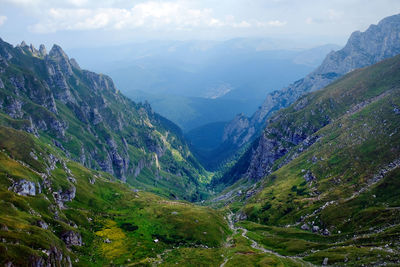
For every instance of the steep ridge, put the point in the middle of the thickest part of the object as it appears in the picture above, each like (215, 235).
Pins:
(362, 49)
(295, 126)
(83, 114)
(325, 173)
(55, 212)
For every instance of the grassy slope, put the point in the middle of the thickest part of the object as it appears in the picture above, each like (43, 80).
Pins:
(188, 235)
(362, 216)
(107, 209)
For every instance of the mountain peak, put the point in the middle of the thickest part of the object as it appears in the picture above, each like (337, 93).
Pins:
(42, 50)
(380, 41)
(58, 53)
(395, 19)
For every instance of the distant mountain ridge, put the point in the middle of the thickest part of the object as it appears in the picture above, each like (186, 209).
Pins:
(378, 42)
(187, 81)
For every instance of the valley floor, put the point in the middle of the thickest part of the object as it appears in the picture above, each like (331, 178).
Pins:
(252, 244)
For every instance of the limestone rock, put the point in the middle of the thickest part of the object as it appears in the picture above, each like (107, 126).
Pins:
(305, 227)
(72, 238)
(24, 188)
(64, 196)
(42, 224)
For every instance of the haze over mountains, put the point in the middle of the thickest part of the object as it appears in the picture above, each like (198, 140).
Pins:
(190, 81)
(89, 177)
(362, 49)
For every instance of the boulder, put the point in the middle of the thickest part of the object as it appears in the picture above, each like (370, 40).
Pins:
(42, 224)
(72, 238)
(305, 227)
(24, 188)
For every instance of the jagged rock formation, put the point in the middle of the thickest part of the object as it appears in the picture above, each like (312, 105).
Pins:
(91, 121)
(378, 42)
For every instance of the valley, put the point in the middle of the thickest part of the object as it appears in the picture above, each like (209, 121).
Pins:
(90, 177)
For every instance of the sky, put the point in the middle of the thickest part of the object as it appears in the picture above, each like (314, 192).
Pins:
(85, 23)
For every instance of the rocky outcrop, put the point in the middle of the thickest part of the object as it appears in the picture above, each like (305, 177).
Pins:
(42, 224)
(72, 238)
(54, 257)
(64, 196)
(238, 131)
(23, 188)
(276, 142)
(58, 55)
(378, 42)
(309, 176)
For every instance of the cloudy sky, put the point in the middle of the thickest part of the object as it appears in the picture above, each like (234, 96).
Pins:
(75, 23)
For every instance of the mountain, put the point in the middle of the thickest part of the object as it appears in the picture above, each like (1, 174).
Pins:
(202, 75)
(362, 49)
(322, 181)
(191, 113)
(54, 119)
(55, 212)
(83, 114)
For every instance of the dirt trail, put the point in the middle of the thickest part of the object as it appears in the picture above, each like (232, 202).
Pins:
(259, 247)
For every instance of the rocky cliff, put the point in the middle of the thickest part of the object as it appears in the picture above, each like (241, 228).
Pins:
(378, 42)
(86, 117)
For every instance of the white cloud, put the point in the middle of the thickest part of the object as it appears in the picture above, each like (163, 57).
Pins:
(271, 23)
(78, 3)
(334, 14)
(186, 19)
(24, 3)
(2, 19)
(277, 23)
(167, 16)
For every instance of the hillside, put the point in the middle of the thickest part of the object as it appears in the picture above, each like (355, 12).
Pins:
(55, 212)
(378, 42)
(83, 114)
(324, 175)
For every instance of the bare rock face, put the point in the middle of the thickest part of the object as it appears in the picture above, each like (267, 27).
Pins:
(237, 130)
(363, 49)
(72, 238)
(74, 64)
(42, 224)
(42, 50)
(276, 143)
(55, 257)
(24, 188)
(64, 196)
(309, 176)
(57, 54)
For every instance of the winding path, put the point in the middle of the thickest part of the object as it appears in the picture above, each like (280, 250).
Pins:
(259, 247)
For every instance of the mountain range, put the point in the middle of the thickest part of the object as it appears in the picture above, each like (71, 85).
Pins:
(90, 178)
(378, 42)
(189, 81)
